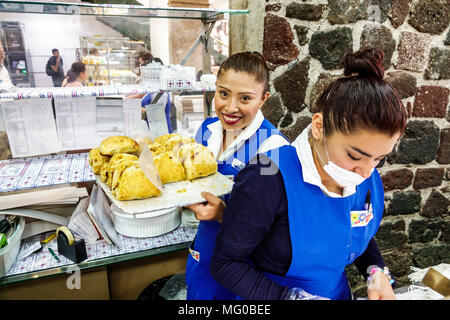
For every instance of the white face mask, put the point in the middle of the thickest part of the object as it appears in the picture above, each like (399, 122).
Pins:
(341, 176)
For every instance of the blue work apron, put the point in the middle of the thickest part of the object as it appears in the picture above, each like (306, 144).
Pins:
(326, 233)
(200, 284)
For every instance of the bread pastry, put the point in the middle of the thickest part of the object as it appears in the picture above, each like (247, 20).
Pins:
(114, 162)
(133, 184)
(197, 160)
(96, 160)
(169, 167)
(172, 144)
(162, 139)
(156, 148)
(119, 169)
(104, 170)
(118, 144)
(146, 141)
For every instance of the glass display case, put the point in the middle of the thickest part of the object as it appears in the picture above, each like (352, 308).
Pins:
(110, 60)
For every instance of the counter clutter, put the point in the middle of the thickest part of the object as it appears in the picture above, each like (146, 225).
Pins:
(130, 173)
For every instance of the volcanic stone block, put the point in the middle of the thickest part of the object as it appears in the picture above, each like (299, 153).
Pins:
(292, 132)
(302, 34)
(399, 12)
(322, 82)
(413, 51)
(423, 230)
(342, 12)
(430, 16)
(397, 179)
(391, 235)
(278, 45)
(292, 85)
(329, 47)
(379, 37)
(438, 64)
(443, 155)
(431, 255)
(404, 202)
(273, 109)
(404, 83)
(304, 11)
(436, 205)
(418, 145)
(431, 102)
(428, 178)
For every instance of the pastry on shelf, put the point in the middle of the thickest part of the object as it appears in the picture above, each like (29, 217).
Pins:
(169, 167)
(133, 184)
(118, 144)
(96, 160)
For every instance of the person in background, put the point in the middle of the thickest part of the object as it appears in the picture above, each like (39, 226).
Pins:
(289, 232)
(144, 57)
(54, 68)
(76, 76)
(5, 81)
(234, 137)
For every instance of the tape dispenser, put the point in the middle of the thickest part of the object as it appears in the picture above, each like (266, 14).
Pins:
(68, 247)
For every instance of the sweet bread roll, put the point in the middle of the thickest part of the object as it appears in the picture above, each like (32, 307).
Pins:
(173, 143)
(133, 184)
(119, 169)
(169, 167)
(96, 160)
(147, 141)
(104, 170)
(162, 139)
(156, 148)
(118, 144)
(114, 162)
(197, 160)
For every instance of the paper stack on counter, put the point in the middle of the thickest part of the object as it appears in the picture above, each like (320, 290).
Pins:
(45, 209)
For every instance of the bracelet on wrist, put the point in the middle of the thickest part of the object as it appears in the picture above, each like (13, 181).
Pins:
(371, 270)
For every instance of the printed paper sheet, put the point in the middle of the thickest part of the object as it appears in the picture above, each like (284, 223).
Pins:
(31, 127)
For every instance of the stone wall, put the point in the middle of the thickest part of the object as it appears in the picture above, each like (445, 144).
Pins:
(304, 43)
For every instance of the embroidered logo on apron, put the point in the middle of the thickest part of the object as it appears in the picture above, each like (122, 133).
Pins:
(361, 218)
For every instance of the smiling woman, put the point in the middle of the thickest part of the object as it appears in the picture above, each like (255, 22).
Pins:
(237, 133)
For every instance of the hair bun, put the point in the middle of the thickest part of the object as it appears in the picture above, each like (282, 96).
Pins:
(366, 62)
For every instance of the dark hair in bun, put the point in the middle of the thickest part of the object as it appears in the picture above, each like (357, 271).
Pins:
(366, 63)
(248, 62)
(75, 70)
(361, 99)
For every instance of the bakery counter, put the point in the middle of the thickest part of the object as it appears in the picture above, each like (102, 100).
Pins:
(108, 273)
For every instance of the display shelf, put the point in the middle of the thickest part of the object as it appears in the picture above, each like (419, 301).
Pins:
(94, 91)
(117, 10)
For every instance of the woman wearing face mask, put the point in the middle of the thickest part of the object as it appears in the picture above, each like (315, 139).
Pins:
(289, 233)
(237, 133)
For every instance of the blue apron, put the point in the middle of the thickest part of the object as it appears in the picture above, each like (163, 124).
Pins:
(326, 233)
(200, 284)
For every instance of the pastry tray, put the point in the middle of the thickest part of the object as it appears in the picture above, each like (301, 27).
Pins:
(181, 193)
